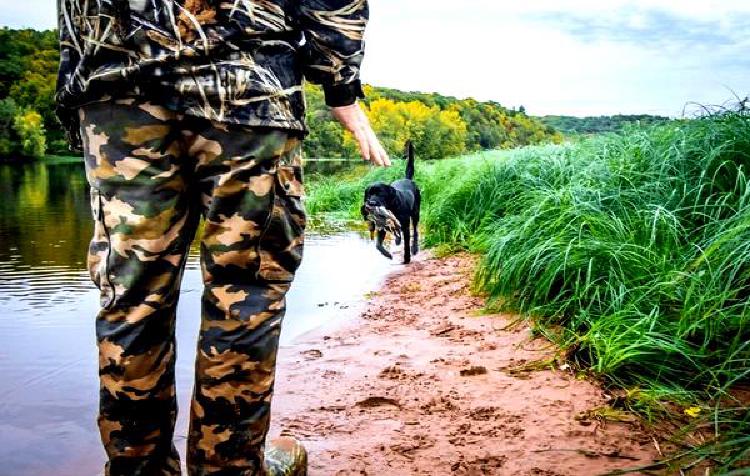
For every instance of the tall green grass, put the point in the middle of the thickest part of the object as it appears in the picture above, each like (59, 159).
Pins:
(632, 251)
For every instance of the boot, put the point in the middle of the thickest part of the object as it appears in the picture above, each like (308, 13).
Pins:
(285, 456)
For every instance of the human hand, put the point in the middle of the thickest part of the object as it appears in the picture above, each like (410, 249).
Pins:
(355, 121)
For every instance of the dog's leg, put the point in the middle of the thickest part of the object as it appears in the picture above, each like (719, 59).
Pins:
(405, 231)
(379, 245)
(415, 221)
(415, 239)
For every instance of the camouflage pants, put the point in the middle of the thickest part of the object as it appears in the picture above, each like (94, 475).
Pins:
(153, 174)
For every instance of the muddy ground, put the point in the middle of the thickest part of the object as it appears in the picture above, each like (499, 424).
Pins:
(423, 384)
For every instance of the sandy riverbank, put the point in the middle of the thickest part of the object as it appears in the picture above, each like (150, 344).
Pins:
(421, 384)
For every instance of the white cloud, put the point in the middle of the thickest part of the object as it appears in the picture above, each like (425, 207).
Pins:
(529, 53)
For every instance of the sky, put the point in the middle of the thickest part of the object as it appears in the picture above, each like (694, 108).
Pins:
(577, 57)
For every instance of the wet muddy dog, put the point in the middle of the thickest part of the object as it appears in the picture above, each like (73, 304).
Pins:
(402, 198)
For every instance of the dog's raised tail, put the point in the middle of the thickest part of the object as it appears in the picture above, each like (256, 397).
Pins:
(409, 152)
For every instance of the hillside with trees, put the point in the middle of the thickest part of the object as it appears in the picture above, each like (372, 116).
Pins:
(440, 126)
(28, 70)
(598, 124)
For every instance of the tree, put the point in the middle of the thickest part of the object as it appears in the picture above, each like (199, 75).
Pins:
(8, 140)
(436, 134)
(30, 130)
(36, 86)
(28, 71)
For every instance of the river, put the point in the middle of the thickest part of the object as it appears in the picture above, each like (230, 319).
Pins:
(48, 371)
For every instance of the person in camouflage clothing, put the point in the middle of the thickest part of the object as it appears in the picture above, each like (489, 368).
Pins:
(187, 109)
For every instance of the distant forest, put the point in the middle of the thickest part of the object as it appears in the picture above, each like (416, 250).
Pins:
(28, 71)
(440, 126)
(598, 124)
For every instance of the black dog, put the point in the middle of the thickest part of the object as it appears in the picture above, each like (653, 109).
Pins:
(402, 198)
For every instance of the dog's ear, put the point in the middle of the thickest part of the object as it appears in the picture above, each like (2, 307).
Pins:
(368, 191)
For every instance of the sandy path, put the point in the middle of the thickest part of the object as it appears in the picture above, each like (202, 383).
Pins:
(419, 385)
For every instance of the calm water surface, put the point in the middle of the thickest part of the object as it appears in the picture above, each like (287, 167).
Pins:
(48, 372)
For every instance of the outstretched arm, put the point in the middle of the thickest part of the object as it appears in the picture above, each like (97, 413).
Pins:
(331, 56)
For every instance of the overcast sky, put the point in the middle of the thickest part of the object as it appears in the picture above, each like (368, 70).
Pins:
(577, 57)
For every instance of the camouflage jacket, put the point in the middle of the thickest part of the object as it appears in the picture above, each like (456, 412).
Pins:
(235, 61)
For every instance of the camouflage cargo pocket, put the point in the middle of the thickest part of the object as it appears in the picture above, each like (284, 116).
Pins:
(99, 251)
(281, 244)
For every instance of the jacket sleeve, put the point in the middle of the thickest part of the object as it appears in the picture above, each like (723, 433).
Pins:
(334, 46)
(70, 55)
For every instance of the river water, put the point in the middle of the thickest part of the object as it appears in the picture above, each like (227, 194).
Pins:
(48, 371)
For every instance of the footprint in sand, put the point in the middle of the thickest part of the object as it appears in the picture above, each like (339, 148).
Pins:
(312, 354)
(473, 370)
(484, 465)
(378, 401)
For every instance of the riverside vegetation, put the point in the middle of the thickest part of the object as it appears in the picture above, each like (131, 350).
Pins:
(631, 251)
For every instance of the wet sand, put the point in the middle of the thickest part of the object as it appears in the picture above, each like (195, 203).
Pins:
(422, 384)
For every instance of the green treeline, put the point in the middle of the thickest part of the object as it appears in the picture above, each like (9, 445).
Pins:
(631, 251)
(28, 71)
(440, 126)
(598, 124)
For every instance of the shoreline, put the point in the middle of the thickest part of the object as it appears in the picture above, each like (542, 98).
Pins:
(420, 383)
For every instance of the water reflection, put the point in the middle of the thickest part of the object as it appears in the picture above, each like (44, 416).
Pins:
(48, 373)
